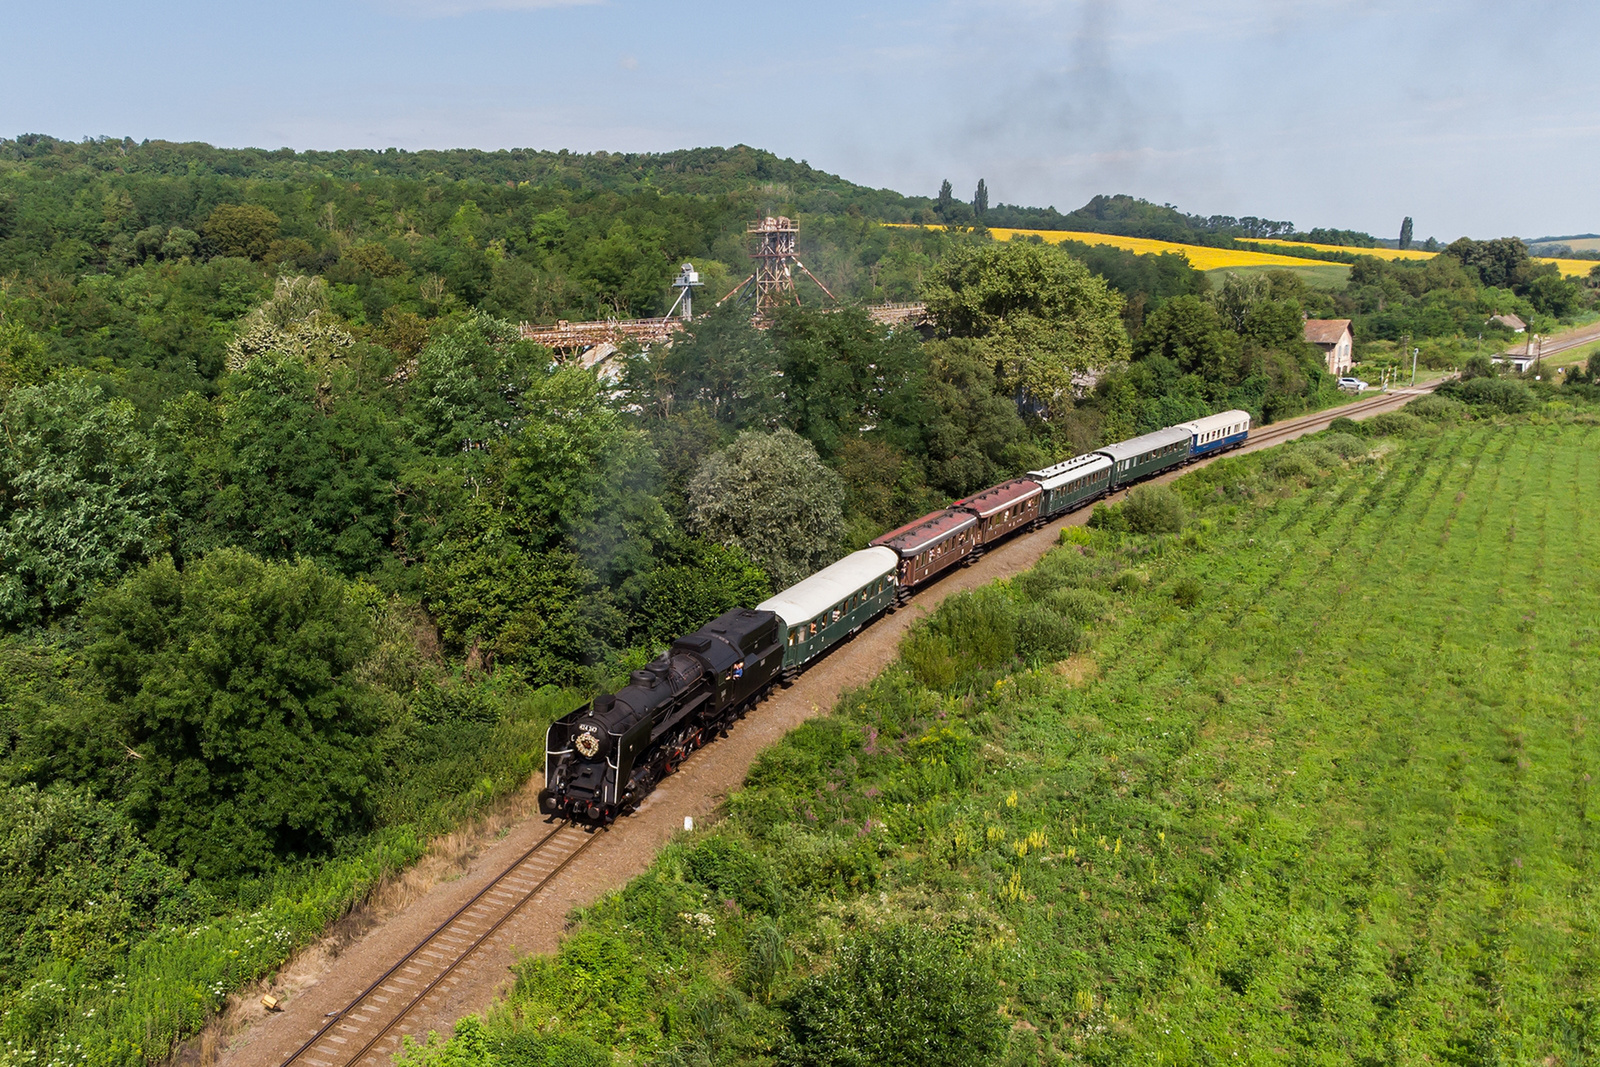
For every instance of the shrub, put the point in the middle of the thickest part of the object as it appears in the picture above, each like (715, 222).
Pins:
(1042, 632)
(927, 656)
(731, 872)
(1343, 445)
(1082, 606)
(1500, 394)
(1130, 581)
(1187, 592)
(896, 998)
(1398, 424)
(530, 1049)
(1293, 466)
(237, 682)
(1154, 509)
(1321, 456)
(1437, 409)
(1347, 426)
(980, 626)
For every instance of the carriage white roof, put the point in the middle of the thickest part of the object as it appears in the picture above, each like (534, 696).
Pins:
(1220, 421)
(809, 598)
(1138, 446)
(1061, 473)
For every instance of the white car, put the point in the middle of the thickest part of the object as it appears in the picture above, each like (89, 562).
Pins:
(1355, 385)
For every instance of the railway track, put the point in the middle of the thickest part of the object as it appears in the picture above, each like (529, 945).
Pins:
(368, 1030)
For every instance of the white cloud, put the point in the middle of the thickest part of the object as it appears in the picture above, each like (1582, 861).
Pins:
(442, 9)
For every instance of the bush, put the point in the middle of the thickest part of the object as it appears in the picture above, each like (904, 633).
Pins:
(1082, 606)
(1154, 509)
(1398, 424)
(731, 872)
(1130, 581)
(927, 656)
(1437, 409)
(237, 683)
(897, 998)
(1347, 427)
(1293, 465)
(1343, 445)
(1499, 394)
(980, 626)
(1187, 592)
(1042, 632)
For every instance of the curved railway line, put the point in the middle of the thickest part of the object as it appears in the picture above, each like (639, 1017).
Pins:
(369, 1029)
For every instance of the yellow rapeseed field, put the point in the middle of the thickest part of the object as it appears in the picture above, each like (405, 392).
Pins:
(1199, 256)
(1380, 253)
(1202, 258)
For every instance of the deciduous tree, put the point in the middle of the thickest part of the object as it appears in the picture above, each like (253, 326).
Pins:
(769, 495)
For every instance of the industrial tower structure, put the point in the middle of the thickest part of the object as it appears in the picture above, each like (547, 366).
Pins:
(776, 254)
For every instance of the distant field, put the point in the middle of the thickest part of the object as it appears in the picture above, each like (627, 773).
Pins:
(1582, 244)
(1199, 256)
(1380, 253)
(1204, 258)
(1330, 276)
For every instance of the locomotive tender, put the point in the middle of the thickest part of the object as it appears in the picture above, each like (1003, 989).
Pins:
(604, 758)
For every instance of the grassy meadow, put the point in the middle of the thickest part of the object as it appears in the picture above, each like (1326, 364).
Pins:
(1331, 277)
(1308, 782)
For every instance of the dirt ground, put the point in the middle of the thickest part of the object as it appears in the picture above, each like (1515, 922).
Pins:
(330, 973)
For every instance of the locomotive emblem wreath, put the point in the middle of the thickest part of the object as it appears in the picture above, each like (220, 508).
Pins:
(588, 744)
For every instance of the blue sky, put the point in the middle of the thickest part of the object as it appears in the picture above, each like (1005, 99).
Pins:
(1475, 118)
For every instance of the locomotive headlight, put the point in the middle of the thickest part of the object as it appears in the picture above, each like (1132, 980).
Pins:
(587, 744)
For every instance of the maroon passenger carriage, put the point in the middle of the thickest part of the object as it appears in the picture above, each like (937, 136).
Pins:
(1002, 510)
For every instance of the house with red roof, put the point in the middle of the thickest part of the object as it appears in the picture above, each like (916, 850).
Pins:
(1336, 340)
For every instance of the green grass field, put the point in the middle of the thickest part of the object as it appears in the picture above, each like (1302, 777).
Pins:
(1317, 791)
(1329, 276)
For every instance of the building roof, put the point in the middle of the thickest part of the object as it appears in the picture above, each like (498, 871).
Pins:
(1509, 320)
(918, 534)
(1220, 421)
(812, 596)
(1326, 331)
(1067, 470)
(1149, 442)
(999, 497)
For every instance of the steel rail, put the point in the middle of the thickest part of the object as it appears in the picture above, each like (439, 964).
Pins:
(336, 1017)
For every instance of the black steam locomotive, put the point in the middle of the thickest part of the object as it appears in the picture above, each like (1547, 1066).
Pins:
(602, 759)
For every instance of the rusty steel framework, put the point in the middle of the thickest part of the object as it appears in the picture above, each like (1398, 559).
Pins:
(776, 254)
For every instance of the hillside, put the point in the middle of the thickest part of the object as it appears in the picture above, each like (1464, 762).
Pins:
(1227, 826)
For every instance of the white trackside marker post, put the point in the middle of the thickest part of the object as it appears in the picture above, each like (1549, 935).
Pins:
(688, 823)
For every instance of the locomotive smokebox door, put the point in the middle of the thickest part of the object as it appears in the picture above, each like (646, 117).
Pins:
(587, 740)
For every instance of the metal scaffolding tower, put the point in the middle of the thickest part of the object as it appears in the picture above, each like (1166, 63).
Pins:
(776, 255)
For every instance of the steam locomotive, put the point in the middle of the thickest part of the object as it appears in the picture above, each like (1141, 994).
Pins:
(606, 756)
(602, 759)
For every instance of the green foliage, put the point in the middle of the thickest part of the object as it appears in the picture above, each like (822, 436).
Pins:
(731, 872)
(1042, 315)
(1496, 394)
(1154, 509)
(682, 597)
(1440, 409)
(898, 996)
(77, 883)
(242, 230)
(510, 607)
(81, 498)
(769, 496)
(220, 676)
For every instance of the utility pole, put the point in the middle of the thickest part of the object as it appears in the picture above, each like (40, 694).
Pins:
(1414, 352)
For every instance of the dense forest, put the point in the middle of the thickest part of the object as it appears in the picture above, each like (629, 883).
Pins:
(282, 487)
